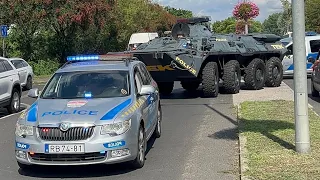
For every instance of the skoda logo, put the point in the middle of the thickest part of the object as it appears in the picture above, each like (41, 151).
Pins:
(64, 126)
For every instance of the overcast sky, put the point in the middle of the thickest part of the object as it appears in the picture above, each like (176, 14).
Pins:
(221, 9)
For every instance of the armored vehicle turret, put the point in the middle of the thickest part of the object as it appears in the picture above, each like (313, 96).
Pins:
(193, 55)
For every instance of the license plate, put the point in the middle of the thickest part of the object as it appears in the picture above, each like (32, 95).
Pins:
(64, 149)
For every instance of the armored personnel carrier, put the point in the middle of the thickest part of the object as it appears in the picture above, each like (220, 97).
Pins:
(193, 55)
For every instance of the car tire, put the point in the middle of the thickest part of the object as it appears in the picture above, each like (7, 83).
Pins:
(158, 130)
(314, 92)
(232, 77)
(210, 80)
(139, 161)
(255, 74)
(14, 105)
(29, 83)
(274, 72)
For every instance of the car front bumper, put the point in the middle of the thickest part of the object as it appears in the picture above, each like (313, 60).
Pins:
(98, 149)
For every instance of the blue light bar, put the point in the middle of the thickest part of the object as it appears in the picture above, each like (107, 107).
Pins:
(311, 33)
(83, 58)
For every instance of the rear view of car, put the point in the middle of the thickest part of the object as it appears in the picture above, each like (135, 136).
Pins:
(10, 88)
(25, 72)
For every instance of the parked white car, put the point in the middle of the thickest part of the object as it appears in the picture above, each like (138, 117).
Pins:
(10, 88)
(25, 72)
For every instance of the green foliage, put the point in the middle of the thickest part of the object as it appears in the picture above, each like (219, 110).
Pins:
(312, 15)
(229, 26)
(55, 29)
(44, 67)
(225, 26)
(181, 13)
(270, 25)
(281, 23)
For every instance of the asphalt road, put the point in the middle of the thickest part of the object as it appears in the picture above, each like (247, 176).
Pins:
(199, 141)
(313, 101)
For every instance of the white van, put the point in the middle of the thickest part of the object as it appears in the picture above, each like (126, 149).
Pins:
(312, 48)
(138, 38)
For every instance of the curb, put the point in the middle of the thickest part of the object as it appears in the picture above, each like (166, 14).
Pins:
(243, 161)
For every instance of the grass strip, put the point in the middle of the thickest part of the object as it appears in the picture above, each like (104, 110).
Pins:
(270, 137)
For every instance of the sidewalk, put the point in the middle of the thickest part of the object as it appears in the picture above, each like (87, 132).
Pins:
(284, 92)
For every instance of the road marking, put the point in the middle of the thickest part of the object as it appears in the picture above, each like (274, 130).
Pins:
(27, 106)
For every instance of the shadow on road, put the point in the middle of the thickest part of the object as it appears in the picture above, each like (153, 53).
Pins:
(86, 171)
(4, 112)
(265, 127)
(316, 99)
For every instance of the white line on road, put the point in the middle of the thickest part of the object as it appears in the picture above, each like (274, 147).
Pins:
(27, 106)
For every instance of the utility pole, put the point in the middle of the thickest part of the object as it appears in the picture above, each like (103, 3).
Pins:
(302, 133)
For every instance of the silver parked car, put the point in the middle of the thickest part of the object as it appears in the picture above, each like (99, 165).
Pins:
(10, 88)
(94, 109)
(25, 72)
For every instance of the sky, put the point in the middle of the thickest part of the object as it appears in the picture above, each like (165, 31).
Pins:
(221, 9)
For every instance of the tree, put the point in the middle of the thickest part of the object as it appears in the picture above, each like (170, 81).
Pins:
(270, 25)
(312, 15)
(230, 24)
(285, 19)
(180, 13)
(225, 26)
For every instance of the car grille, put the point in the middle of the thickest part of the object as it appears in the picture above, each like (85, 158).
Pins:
(73, 134)
(68, 157)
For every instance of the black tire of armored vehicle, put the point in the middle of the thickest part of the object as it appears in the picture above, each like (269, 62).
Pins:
(231, 77)
(255, 74)
(274, 72)
(210, 80)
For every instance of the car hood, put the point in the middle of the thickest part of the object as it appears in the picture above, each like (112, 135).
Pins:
(92, 111)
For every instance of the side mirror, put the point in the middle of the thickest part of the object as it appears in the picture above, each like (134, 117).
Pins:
(33, 93)
(311, 60)
(147, 90)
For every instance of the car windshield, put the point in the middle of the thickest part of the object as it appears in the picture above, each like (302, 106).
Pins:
(102, 84)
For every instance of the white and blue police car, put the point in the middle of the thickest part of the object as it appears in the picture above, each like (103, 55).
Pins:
(96, 109)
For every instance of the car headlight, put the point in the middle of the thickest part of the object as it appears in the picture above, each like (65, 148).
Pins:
(117, 128)
(24, 130)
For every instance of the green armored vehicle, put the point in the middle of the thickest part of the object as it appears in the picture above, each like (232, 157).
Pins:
(193, 55)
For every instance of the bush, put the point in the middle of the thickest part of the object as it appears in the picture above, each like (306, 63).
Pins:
(44, 67)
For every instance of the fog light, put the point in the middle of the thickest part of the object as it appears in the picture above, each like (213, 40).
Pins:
(21, 154)
(120, 152)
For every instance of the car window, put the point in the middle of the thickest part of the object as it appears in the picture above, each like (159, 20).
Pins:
(2, 68)
(17, 64)
(145, 75)
(7, 65)
(290, 50)
(87, 84)
(25, 64)
(314, 46)
(138, 80)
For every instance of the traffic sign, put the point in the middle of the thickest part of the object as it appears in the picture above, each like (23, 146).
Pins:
(4, 30)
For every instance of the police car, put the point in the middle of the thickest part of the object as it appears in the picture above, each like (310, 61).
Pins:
(94, 109)
(312, 42)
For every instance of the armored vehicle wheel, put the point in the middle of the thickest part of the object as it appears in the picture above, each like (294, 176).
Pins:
(210, 80)
(274, 72)
(165, 88)
(190, 86)
(255, 74)
(232, 77)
